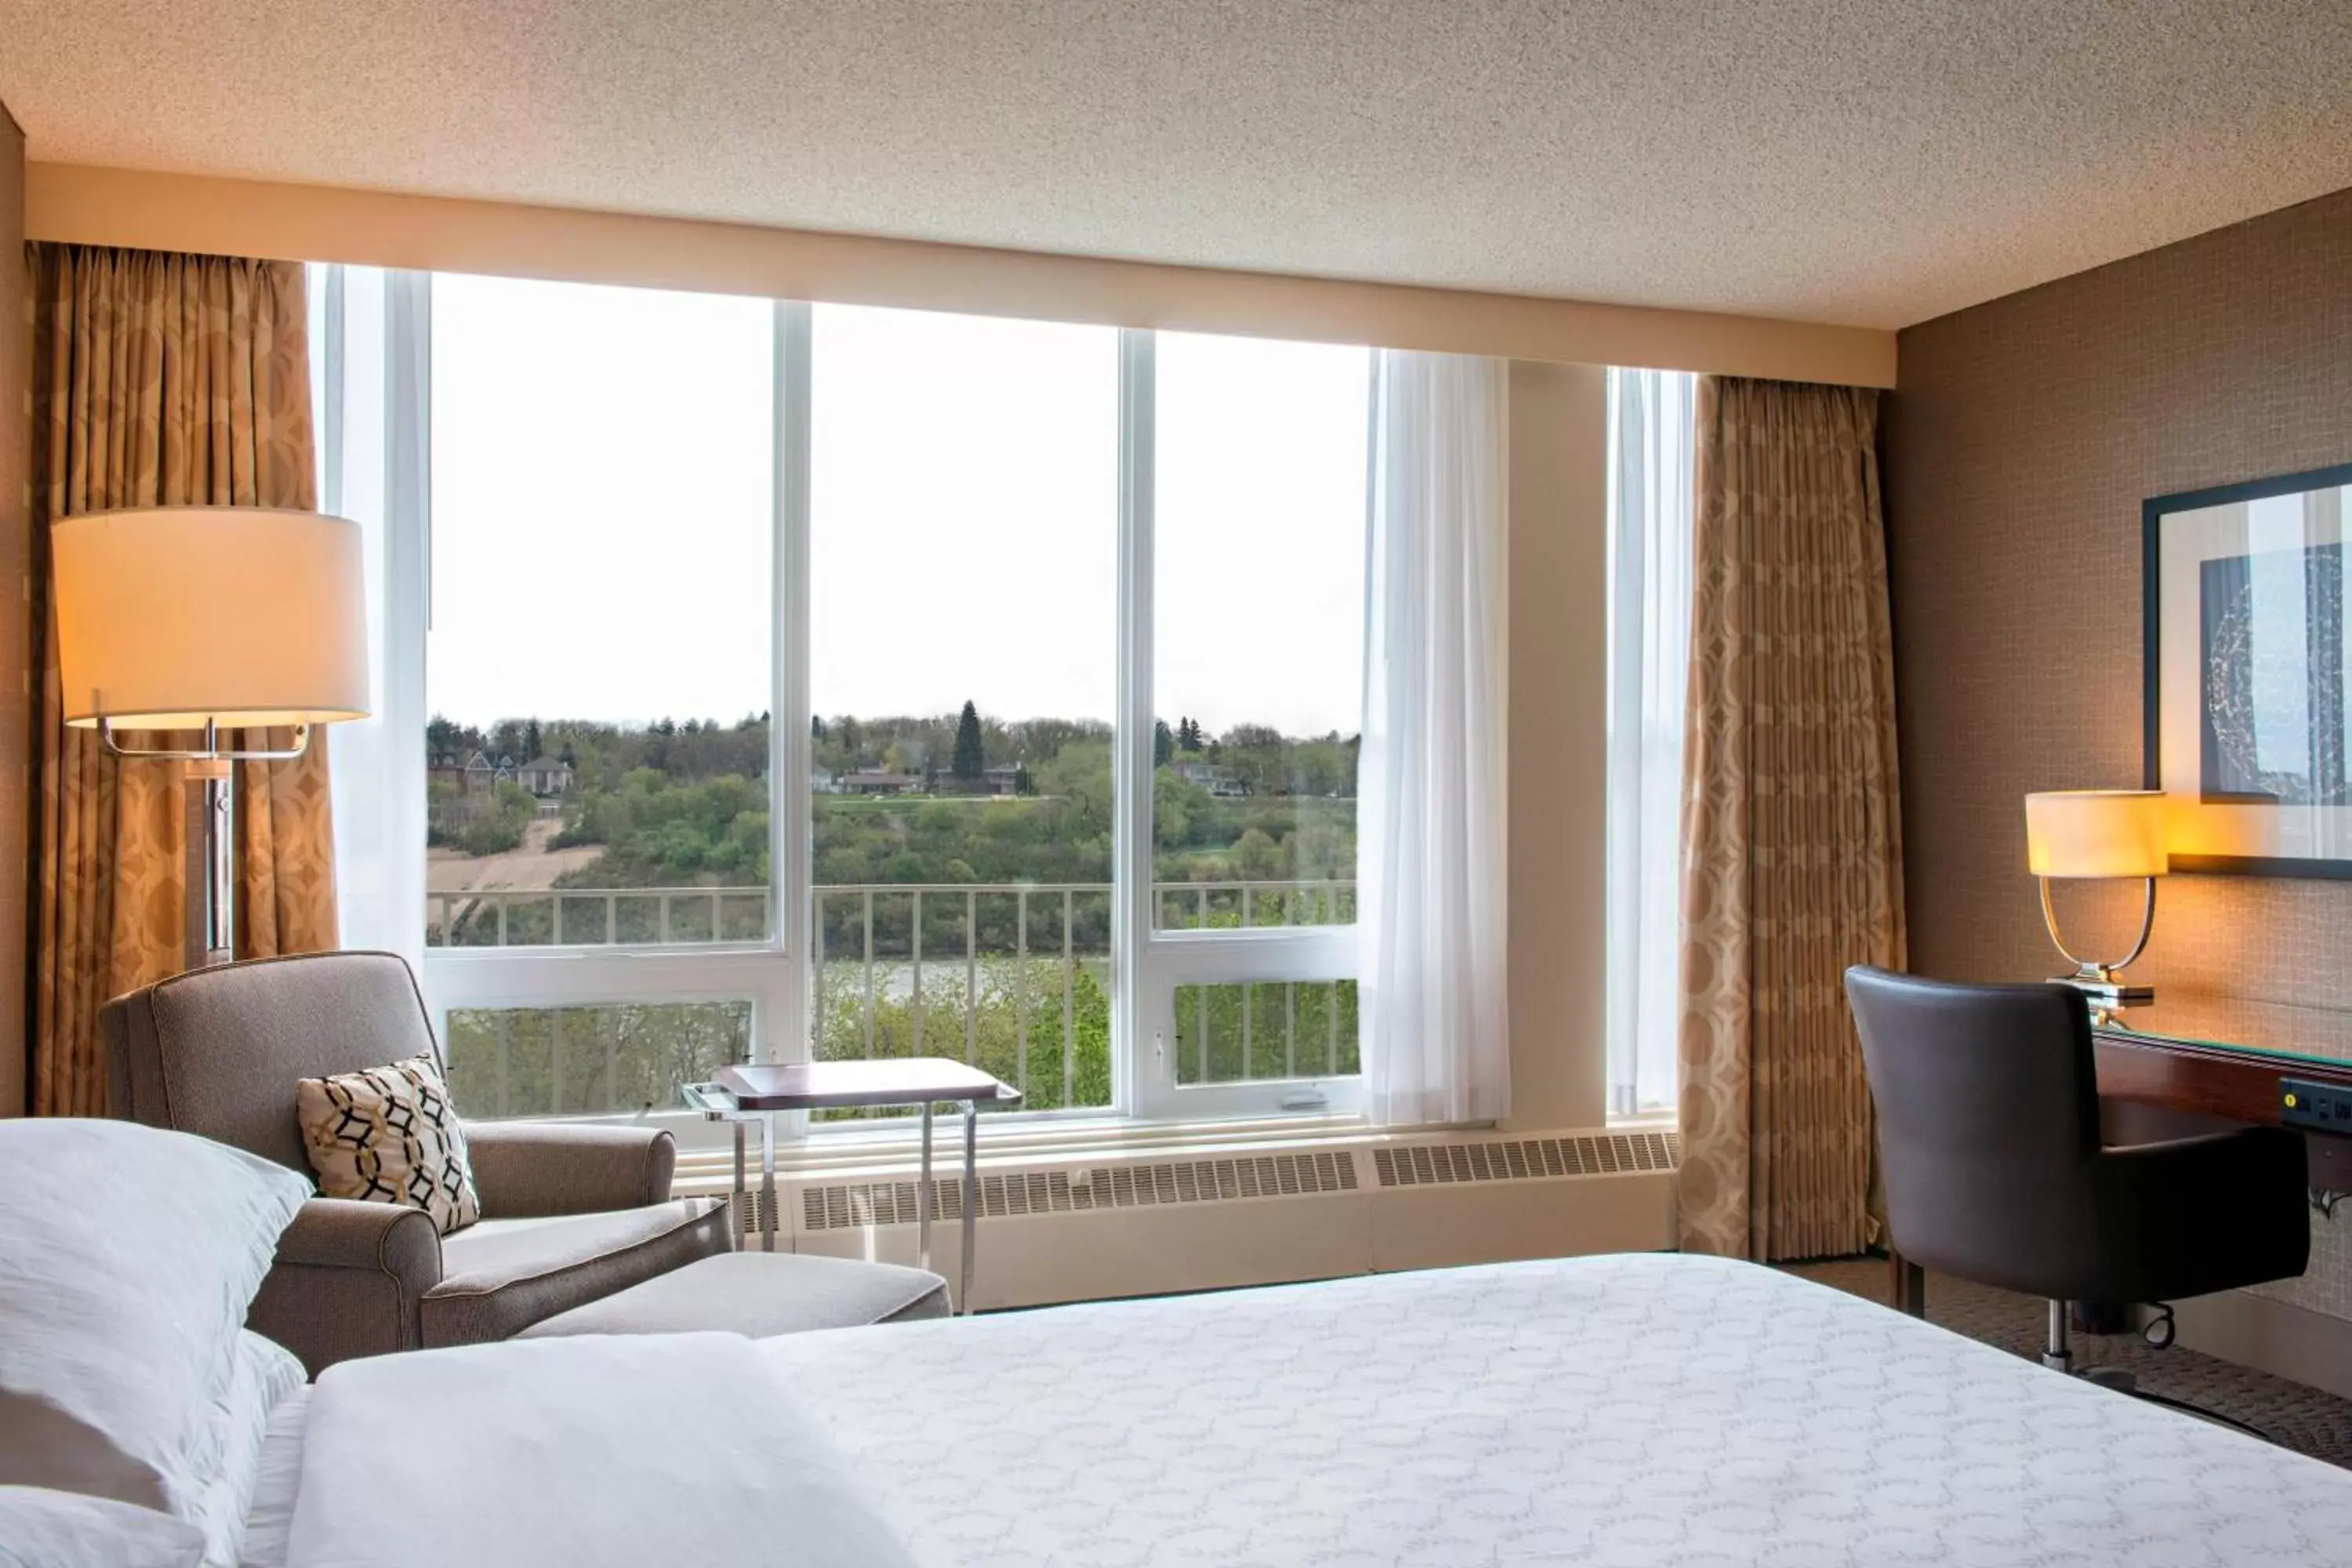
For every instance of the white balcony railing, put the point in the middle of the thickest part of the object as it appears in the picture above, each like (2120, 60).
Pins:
(1013, 976)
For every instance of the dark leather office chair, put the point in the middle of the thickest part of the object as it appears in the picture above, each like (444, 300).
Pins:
(1989, 1141)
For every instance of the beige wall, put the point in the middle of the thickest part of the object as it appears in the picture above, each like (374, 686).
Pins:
(16, 643)
(1558, 776)
(315, 223)
(2026, 435)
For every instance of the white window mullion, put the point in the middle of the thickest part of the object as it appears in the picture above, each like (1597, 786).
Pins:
(1140, 1070)
(785, 1037)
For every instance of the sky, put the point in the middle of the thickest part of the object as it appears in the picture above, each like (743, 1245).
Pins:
(602, 462)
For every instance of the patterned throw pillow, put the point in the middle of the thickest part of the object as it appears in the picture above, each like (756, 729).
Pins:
(388, 1135)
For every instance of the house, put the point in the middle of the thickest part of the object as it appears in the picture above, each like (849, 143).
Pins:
(545, 778)
(1215, 777)
(863, 782)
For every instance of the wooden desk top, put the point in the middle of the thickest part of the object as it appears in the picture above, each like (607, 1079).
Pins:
(903, 1081)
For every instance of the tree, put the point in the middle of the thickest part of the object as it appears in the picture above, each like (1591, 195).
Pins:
(969, 762)
(531, 739)
(1163, 742)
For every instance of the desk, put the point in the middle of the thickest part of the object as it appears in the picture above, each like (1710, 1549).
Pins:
(2215, 1057)
(760, 1094)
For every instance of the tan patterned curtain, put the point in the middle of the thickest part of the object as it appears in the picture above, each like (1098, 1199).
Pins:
(1793, 849)
(158, 380)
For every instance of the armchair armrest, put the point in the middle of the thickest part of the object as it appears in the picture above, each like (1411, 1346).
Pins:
(526, 1169)
(2204, 1213)
(347, 1280)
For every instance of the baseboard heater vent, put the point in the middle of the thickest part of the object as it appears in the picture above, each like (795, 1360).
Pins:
(1007, 1195)
(1527, 1158)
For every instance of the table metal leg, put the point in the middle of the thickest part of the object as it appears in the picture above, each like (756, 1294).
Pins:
(738, 1218)
(971, 1201)
(923, 1197)
(768, 1182)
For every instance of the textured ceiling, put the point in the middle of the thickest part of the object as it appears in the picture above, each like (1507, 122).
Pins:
(1868, 161)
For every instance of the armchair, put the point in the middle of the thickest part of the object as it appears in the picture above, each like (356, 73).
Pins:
(572, 1213)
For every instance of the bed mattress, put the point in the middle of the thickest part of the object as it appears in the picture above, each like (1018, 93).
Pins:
(1611, 1412)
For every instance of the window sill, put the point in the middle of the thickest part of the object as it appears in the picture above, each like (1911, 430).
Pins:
(711, 1168)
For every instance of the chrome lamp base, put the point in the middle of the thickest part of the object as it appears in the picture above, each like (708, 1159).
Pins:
(2101, 984)
(211, 936)
(2107, 992)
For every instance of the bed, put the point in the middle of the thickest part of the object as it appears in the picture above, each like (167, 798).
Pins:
(1611, 1412)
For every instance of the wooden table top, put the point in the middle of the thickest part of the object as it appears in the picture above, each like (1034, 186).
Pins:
(899, 1080)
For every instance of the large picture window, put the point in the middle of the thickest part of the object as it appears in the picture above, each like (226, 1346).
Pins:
(824, 681)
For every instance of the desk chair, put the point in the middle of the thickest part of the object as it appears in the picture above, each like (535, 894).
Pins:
(1989, 1141)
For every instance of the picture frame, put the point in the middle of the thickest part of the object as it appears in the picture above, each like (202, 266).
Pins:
(2246, 673)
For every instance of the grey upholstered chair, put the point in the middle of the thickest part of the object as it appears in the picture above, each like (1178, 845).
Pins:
(572, 1213)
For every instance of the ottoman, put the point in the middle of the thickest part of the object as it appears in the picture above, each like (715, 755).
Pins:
(758, 1294)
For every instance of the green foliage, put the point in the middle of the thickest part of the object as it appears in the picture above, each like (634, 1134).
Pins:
(687, 805)
(498, 823)
(1270, 1030)
(1014, 1022)
(971, 756)
(589, 1061)
(657, 833)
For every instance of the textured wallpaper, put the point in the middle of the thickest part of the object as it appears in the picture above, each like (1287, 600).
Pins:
(2026, 432)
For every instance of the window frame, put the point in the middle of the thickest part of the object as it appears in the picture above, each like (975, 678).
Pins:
(1155, 962)
(774, 974)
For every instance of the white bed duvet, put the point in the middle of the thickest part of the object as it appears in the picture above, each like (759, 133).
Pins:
(1607, 1413)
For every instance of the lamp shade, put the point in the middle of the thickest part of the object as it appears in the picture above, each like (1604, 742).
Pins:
(170, 616)
(2096, 833)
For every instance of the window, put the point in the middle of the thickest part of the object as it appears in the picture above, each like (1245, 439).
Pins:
(835, 681)
(1650, 429)
(599, 681)
(1256, 544)
(963, 545)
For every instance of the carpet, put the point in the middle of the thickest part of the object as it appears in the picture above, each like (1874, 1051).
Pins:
(2293, 1416)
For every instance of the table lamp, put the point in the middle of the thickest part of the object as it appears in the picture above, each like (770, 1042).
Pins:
(2098, 833)
(203, 620)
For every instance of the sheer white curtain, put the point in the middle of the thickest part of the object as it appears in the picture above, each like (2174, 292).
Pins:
(369, 358)
(1649, 422)
(1431, 798)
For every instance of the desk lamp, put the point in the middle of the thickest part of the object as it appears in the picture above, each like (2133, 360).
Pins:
(2098, 833)
(204, 621)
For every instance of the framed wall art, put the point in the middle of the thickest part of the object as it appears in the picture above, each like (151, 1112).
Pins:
(2248, 675)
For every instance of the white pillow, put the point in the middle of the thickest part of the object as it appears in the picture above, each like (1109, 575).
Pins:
(266, 1375)
(42, 1528)
(128, 1257)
